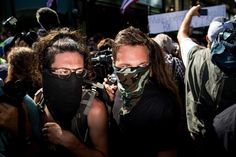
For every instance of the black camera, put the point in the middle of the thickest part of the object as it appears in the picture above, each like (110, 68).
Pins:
(10, 23)
(102, 64)
(28, 37)
(112, 79)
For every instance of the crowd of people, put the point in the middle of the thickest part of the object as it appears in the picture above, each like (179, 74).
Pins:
(144, 97)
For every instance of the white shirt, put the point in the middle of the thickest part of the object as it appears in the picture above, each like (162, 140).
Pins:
(186, 45)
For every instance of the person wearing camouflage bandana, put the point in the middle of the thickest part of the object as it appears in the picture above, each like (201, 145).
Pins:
(145, 110)
(131, 83)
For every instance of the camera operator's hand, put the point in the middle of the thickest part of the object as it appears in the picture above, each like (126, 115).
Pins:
(110, 88)
(8, 117)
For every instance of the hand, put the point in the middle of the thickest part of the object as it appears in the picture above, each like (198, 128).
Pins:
(111, 89)
(8, 117)
(194, 11)
(53, 133)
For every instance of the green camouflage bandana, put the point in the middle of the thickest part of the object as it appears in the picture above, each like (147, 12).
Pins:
(131, 82)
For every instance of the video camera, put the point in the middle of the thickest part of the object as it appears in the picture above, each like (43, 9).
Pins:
(28, 37)
(102, 63)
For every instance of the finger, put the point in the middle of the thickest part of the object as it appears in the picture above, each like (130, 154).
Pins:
(45, 130)
(105, 79)
(49, 124)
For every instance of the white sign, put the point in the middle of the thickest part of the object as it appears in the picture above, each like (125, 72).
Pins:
(168, 22)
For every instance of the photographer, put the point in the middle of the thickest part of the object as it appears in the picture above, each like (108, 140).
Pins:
(17, 36)
(102, 59)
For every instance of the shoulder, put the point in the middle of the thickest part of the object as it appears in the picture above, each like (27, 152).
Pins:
(155, 92)
(98, 105)
(97, 111)
(197, 57)
(157, 97)
(200, 52)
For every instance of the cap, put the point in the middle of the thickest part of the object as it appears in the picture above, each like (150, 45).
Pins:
(218, 25)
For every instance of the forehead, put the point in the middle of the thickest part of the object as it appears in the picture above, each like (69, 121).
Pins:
(68, 59)
(130, 53)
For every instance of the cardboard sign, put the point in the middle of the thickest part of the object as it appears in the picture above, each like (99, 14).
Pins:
(168, 22)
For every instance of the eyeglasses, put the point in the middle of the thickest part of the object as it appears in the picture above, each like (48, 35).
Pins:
(65, 73)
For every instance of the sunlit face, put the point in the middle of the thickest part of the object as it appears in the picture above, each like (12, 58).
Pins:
(132, 56)
(68, 60)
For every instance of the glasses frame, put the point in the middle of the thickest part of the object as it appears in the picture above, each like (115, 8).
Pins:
(79, 72)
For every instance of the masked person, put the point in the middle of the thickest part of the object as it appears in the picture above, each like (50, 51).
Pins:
(210, 86)
(64, 64)
(146, 103)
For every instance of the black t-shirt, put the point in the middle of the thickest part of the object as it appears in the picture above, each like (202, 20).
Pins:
(151, 126)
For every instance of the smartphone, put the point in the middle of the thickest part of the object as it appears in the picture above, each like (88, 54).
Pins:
(203, 12)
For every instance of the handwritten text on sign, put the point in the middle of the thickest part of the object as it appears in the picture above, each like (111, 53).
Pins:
(171, 21)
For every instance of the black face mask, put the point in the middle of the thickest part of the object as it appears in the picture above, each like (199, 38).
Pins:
(62, 97)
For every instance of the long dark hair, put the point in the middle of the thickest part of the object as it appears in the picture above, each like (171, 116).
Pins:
(160, 72)
(59, 41)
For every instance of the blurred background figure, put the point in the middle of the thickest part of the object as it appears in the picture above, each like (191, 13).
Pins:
(23, 66)
(48, 19)
(173, 59)
(19, 118)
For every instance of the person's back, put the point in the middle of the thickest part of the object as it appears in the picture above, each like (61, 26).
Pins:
(207, 86)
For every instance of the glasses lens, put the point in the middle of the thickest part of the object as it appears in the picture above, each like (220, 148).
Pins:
(81, 72)
(64, 73)
(61, 73)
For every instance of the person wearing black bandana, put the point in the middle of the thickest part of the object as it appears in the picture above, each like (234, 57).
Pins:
(146, 107)
(64, 66)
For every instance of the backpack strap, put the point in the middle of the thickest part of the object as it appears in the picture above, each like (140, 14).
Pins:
(79, 122)
(92, 93)
(34, 116)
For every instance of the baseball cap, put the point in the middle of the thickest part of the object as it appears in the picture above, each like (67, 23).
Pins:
(218, 25)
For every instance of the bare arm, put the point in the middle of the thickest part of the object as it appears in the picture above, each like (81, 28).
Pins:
(169, 153)
(98, 131)
(185, 26)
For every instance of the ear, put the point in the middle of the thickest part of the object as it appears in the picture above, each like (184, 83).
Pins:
(208, 42)
(207, 39)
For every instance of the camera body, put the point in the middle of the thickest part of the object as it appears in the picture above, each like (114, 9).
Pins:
(28, 37)
(112, 79)
(102, 64)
